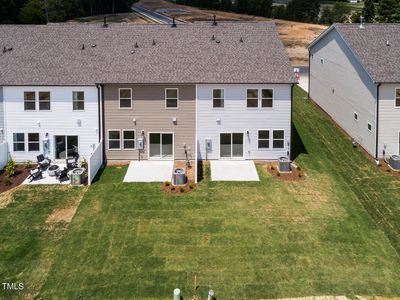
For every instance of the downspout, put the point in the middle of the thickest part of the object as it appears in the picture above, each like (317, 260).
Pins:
(377, 122)
(102, 123)
(291, 121)
(309, 73)
(98, 86)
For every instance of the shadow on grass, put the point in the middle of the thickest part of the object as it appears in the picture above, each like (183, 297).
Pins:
(200, 171)
(99, 173)
(298, 146)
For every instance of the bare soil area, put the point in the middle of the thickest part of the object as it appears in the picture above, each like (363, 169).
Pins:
(295, 35)
(15, 181)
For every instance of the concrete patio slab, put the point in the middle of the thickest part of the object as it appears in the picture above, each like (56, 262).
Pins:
(47, 179)
(149, 171)
(231, 170)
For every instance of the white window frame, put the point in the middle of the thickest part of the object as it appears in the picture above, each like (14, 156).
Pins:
(119, 98)
(123, 139)
(258, 98)
(223, 99)
(19, 142)
(369, 124)
(261, 98)
(395, 98)
(269, 139)
(30, 101)
(44, 101)
(108, 139)
(354, 116)
(284, 136)
(29, 142)
(177, 98)
(74, 101)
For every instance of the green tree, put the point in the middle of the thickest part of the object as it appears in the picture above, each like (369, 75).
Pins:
(33, 12)
(279, 12)
(226, 5)
(339, 13)
(368, 11)
(389, 11)
(8, 11)
(303, 10)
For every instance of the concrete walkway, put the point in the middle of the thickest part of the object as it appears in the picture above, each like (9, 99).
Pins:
(233, 170)
(149, 171)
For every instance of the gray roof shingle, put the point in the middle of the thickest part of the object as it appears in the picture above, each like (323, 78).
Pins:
(369, 44)
(52, 54)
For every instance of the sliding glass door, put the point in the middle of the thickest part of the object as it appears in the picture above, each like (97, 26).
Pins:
(66, 146)
(161, 145)
(231, 145)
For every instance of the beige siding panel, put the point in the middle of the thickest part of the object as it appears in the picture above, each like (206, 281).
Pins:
(151, 116)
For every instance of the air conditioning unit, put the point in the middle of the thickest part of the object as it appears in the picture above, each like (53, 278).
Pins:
(394, 162)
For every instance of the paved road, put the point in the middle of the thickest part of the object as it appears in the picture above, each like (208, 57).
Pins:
(156, 17)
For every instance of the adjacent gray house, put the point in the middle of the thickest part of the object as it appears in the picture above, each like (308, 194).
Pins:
(355, 78)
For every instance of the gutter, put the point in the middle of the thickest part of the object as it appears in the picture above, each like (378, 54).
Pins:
(377, 121)
(291, 122)
(309, 73)
(100, 99)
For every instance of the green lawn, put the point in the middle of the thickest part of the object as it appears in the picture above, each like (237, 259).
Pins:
(335, 233)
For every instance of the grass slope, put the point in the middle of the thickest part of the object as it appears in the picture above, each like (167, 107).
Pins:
(27, 243)
(324, 235)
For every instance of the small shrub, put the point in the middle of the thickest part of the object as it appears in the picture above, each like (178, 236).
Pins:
(300, 175)
(84, 164)
(7, 180)
(172, 188)
(272, 168)
(191, 186)
(278, 173)
(28, 164)
(181, 189)
(388, 170)
(167, 183)
(298, 168)
(11, 168)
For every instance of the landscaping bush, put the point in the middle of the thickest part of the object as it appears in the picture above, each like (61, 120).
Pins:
(191, 186)
(181, 189)
(7, 180)
(11, 168)
(167, 183)
(172, 188)
(27, 164)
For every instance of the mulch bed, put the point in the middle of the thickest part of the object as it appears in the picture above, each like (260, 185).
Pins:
(16, 180)
(384, 167)
(168, 188)
(297, 174)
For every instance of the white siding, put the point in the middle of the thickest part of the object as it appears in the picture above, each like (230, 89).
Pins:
(61, 120)
(341, 87)
(389, 120)
(1, 115)
(236, 117)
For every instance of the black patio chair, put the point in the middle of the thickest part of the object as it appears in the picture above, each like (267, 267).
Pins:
(72, 162)
(63, 175)
(43, 162)
(35, 174)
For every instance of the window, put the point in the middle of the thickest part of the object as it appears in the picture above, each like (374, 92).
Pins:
(44, 100)
(218, 98)
(278, 139)
(19, 142)
(33, 142)
(29, 101)
(397, 97)
(171, 98)
(128, 139)
(263, 139)
(125, 98)
(252, 98)
(78, 100)
(369, 126)
(267, 98)
(356, 116)
(114, 139)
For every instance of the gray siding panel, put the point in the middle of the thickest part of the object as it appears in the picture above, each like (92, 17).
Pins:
(389, 120)
(1, 115)
(149, 110)
(341, 86)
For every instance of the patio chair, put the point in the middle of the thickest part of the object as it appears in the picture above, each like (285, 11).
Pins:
(72, 163)
(35, 174)
(43, 162)
(63, 175)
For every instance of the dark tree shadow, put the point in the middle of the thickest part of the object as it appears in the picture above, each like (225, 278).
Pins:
(298, 146)
(200, 170)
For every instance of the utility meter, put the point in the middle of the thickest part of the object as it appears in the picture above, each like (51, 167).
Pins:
(208, 145)
(140, 144)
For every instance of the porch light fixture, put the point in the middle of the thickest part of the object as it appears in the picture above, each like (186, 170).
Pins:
(2, 130)
(174, 120)
(38, 122)
(134, 121)
(219, 120)
(79, 122)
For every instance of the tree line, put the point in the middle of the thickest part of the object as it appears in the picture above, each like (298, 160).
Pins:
(310, 11)
(43, 11)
